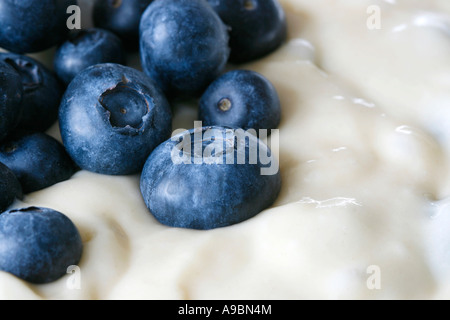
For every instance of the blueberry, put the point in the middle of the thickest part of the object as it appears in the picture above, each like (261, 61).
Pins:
(111, 119)
(10, 188)
(121, 17)
(184, 45)
(38, 244)
(28, 26)
(42, 92)
(38, 160)
(258, 27)
(10, 99)
(241, 99)
(190, 182)
(87, 48)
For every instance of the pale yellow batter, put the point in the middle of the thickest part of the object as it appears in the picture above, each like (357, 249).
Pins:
(364, 211)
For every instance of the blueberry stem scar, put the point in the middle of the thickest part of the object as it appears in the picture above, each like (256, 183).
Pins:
(9, 148)
(116, 3)
(249, 5)
(225, 104)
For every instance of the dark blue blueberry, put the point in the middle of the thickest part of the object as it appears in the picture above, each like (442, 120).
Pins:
(42, 92)
(87, 48)
(210, 181)
(38, 160)
(30, 25)
(10, 188)
(184, 45)
(10, 99)
(121, 17)
(257, 27)
(111, 119)
(241, 99)
(38, 245)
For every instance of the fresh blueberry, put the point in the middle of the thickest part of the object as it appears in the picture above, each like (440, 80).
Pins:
(38, 160)
(87, 48)
(258, 27)
(184, 45)
(111, 119)
(38, 245)
(10, 188)
(121, 17)
(11, 92)
(241, 99)
(208, 178)
(28, 26)
(42, 92)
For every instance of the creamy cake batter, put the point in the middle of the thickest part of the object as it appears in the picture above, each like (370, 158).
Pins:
(364, 211)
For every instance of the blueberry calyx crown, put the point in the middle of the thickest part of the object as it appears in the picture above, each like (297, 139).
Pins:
(214, 144)
(84, 35)
(197, 148)
(29, 72)
(126, 107)
(29, 209)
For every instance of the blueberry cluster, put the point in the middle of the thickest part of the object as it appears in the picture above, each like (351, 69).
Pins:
(117, 120)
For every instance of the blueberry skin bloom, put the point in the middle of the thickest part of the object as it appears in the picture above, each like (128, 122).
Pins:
(241, 99)
(200, 193)
(111, 119)
(28, 26)
(10, 187)
(258, 27)
(121, 17)
(85, 49)
(38, 160)
(184, 45)
(10, 99)
(42, 92)
(38, 244)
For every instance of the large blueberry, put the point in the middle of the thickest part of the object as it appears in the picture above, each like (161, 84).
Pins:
(87, 48)
(184, 45)
(10, 188)
(42, 92)
(38, 160)
(10, 99)
(257, 27)
(33, 25)
(111, 119)
(209, 178)
(242, 99)
(121, 17)
(38, 245)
